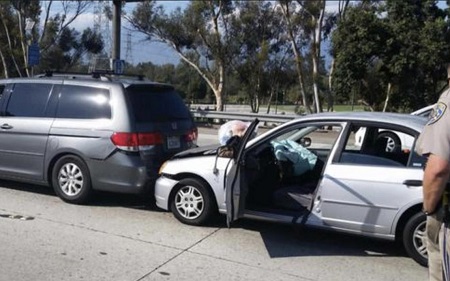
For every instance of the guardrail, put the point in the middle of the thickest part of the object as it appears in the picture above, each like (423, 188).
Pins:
(274, 118)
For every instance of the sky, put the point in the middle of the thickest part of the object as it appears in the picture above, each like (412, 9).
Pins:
(134, 47)
(140, 50)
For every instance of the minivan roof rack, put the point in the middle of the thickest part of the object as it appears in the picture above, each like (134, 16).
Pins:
(96, 74)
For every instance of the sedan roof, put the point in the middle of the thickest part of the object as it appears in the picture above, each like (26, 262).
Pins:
(400, 119)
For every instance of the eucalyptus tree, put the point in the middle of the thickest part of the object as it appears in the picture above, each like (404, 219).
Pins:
(331, 22)
(416, 55)
(257, 31)
(402, 44)
(67, 52)
(314, 13)
(199, 34)
(24, 22)
(357, 43)
(293, 19)
(9, 47)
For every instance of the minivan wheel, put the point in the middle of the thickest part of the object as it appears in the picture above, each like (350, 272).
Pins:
(71, 180)
(413, 238)
(193, 203)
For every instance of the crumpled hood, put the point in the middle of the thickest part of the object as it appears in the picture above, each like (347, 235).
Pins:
(207, 150)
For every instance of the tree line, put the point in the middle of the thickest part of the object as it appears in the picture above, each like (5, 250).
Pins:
(386, 55)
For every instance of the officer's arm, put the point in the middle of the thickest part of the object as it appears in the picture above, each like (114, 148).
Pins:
(435, 180)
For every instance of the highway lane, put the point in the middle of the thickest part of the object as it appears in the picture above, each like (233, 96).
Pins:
(121, 237)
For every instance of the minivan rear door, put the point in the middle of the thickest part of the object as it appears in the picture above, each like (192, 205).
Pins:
(161, 116)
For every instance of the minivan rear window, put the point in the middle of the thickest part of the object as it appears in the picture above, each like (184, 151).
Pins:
(156, 103)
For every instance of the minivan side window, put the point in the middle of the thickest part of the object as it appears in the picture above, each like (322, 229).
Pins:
(28, 100)
(82, 102)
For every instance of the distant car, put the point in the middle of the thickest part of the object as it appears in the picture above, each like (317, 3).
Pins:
(309, 172)
(424, 112)
(396, 140)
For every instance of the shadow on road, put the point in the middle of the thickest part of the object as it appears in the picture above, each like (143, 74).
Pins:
(284, 241)
(104, 199)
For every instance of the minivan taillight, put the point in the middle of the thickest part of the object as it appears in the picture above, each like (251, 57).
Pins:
(136, 141)
(192, 135)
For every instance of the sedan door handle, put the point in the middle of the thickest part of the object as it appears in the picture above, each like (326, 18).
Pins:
(6, 127)
(413, 182)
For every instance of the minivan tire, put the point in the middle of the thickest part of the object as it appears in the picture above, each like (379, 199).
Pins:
(71, 180)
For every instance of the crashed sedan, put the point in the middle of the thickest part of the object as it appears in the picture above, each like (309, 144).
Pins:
(310, 172)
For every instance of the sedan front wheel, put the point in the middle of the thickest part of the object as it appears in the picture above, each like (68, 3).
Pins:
(193, 202)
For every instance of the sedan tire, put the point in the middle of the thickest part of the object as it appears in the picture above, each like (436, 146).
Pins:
(393, 141)
(71, 180)
(193, 202)
(413, 238)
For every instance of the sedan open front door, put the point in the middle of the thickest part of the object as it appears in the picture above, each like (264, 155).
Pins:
(235, 182)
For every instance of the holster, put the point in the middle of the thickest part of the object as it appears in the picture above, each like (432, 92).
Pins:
(433, 228)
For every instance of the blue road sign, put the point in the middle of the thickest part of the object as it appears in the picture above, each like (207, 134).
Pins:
(33, 54)
(118, 66)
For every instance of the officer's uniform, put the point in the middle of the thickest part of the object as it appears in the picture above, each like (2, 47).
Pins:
(435, 139)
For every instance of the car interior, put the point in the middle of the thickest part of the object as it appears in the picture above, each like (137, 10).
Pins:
(282, 174)
(375, 150)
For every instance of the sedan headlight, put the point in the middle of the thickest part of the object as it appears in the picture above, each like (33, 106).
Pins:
(162, 167)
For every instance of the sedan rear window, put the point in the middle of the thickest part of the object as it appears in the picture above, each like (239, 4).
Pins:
(156, 103)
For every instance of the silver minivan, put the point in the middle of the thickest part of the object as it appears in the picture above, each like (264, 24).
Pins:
(80, 133)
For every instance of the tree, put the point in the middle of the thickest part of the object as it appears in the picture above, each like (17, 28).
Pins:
(330, 25)
(402, 47)
(256, 29)
(199, 34)
(297, 39)
(70, 48)
(315, 11)
(357, 42)
(14, 16)
(418, 47)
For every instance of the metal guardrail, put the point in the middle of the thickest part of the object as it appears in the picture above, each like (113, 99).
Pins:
(274, 118)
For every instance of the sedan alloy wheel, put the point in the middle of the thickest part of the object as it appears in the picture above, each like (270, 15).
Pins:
(193, 202)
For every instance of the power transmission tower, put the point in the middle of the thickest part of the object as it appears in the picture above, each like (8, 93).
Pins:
(101, 26)
(129, 51)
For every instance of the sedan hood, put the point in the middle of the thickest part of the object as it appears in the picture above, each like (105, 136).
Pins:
(198, 151)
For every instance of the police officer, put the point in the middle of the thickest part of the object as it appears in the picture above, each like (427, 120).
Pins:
(434, 143)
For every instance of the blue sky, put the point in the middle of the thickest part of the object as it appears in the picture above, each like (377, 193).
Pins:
(157, 53)
(144, 51)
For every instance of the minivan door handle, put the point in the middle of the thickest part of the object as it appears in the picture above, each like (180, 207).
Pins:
(6, 127)
(413, 182)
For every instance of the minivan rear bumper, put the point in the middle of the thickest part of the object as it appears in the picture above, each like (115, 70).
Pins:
(122, 173)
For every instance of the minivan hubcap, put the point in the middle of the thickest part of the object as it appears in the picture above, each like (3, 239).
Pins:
(70, 179)
(418, 239)
(189, 202)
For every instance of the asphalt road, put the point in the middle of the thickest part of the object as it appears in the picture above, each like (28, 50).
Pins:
(120, 237)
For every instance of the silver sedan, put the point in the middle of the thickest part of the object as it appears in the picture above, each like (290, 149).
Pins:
(309, 172)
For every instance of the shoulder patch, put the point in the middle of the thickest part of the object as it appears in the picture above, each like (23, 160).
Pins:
(437, 113)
